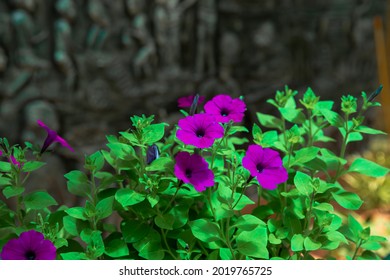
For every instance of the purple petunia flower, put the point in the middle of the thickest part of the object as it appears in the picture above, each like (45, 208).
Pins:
(186, 101)
(225, 108)
(193, 169)
(266, 165)
(52, 137)
(30, 245)
(199, 130)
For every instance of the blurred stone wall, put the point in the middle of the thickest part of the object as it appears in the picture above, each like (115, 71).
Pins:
(85, 66)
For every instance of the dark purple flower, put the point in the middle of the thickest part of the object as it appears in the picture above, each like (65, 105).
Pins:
(30, 245)
(52, 137)
(266, 165)
(186, 101)
(225, 108)
(199, 130)
(152, 154)
(193, 169)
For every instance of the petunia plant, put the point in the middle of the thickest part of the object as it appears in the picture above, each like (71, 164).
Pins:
(209, 187)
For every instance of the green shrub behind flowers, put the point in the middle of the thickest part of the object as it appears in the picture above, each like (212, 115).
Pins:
(182, 193)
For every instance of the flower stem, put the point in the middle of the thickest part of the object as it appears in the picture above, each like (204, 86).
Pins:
(174, 196)
(309, 134)
(164, 235)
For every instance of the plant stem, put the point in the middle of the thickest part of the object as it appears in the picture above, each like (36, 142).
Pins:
(308, 215)
(164, 235)
(309, 134)
(343, 148)
(173, 197)
(357, 249)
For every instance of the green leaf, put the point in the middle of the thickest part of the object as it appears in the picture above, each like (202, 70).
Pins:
(269, 138)
(348, 200)
(269, 121)
(248, 222)
(355, 227)
(274, 240)
(369, 245)
(116, 248)
(225, 254)
(5, 166)
(205, 230)
(297, 242)
(32, 165)
(336, 236)
(292, 115)
(256, 133)
(305, 155)
(122, 151)
(153, 133)
(104, 207)
(60, 242)
(96, 160)
(11, 191)
(134, 230)
(311, 245)
(129, 136)
(159, 164)
(153, 199)
(4, 181)
(332, 117)
(367, 167)
(150, 247)
(368, 130)
(39, 200)
(323, 105)
(242, 201)
(330, 245)
(302, 182)
(323, 206)
(74, 226)
(78, 183)
(352, 136)
(74, 256)
(253, 243)
(95, 247)
(128, 197)
(237, 128)
(77, 213)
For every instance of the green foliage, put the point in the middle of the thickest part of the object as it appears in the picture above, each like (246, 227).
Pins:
(158, 216)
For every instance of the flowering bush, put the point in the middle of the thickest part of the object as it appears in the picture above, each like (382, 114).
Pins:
(183, 194)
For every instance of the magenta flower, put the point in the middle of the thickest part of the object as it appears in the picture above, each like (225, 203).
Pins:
(52, 137)
(193, 169)
(186, 101)
(30, 245)
(225, 108)
(14, 161)
(199, 130)
(266, 165)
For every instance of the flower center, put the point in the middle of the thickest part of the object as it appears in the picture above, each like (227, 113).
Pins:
(30, 255)
(188, 173)
(259, 167)
(200, 132)
(224, 112)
